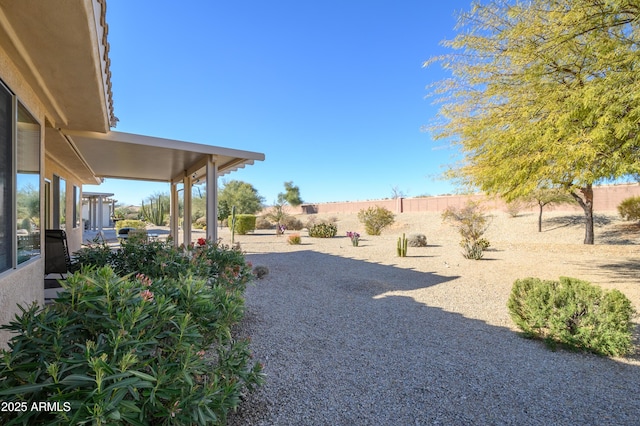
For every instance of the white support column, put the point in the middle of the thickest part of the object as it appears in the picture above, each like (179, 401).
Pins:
(100, 213)
(174, 213)
(186, 220)
(93, 214)
(212, 199)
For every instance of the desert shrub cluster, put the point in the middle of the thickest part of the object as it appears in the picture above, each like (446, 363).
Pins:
(375, 219)
(417, 240)
(573, 313)
(629, 208)
(130, 223)
(144, 339)
(292, 223)
(472, 223)
(323, 230)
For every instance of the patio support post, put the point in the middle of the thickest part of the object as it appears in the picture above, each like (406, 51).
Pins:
(93, 214)
(186, 220)
(174, 214)
(100, 213)
(212, 199)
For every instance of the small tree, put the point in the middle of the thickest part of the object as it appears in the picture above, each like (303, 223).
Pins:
(472, 223)
(547, 197)
(278, 212)
(375, 219)
(242, 195)
(291, 194)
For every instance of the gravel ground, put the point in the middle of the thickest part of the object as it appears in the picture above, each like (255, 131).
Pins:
(355, 336)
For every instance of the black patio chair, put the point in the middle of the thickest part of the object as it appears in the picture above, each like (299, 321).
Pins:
(56, 253)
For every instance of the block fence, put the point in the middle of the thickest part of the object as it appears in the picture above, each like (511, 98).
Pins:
(605, 199)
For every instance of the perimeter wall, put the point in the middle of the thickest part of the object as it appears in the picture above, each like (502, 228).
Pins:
(605, 199)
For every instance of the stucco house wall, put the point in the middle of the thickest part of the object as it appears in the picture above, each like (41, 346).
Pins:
(23, 285)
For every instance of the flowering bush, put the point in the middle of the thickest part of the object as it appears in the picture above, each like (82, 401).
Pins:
(354, 237)
(294, 239)
(144, 340)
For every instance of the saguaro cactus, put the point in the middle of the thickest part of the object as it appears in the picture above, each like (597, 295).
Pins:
(402, 246)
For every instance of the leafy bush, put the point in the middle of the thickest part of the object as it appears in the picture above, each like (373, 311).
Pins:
(262, 223)
(292, 223)
(294, 239)
(629, 208)
(472, 224)
(417, 240)
(129, 350)
(245, 223)
(375, 219)
(136, 224)
(573, 313)
(323, 230)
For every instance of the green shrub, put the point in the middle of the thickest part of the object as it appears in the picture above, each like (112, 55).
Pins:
(375, 219)
(573, 313)
(128, 350)
(136, 224)
(323, 230)
(245, 223)
(629, 208)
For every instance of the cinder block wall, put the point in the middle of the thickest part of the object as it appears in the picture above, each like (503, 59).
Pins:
(606, 199)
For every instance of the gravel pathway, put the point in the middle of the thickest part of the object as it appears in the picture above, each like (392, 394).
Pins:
(338, 351)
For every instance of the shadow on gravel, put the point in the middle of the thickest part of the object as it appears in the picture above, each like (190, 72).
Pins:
(572, 220)
(337, 353)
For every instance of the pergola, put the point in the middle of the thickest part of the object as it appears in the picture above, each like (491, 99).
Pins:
(137, 157)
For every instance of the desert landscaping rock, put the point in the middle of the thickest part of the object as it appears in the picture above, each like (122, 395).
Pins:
(357, 336)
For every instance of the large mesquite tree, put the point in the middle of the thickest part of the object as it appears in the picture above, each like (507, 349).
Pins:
(544, 93)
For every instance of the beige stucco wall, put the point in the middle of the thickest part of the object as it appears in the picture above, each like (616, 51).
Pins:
(606, 199)
(20, 286)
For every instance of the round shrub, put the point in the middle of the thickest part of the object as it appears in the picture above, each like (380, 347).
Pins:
(292, 223)
(137, 224)
(574, 313)
(417, 240)
(375, 219)
(245, 223)
(262, 223)
(629, 208)
(294, 239)
(323, 230)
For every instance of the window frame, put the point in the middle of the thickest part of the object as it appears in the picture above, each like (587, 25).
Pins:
(9, 216)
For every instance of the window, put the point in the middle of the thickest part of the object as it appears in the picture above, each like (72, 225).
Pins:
(6, 179)
(77, 206)
(19, 182)
(28, 186)
(59, 202)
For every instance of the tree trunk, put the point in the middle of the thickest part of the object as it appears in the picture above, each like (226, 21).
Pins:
(586, 202)
(540, 217)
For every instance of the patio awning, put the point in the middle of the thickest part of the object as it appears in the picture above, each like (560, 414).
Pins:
(130, 156)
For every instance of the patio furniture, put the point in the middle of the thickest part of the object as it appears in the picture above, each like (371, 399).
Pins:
(56, 253)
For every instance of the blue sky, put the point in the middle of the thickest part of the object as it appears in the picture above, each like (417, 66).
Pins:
(332, 92)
